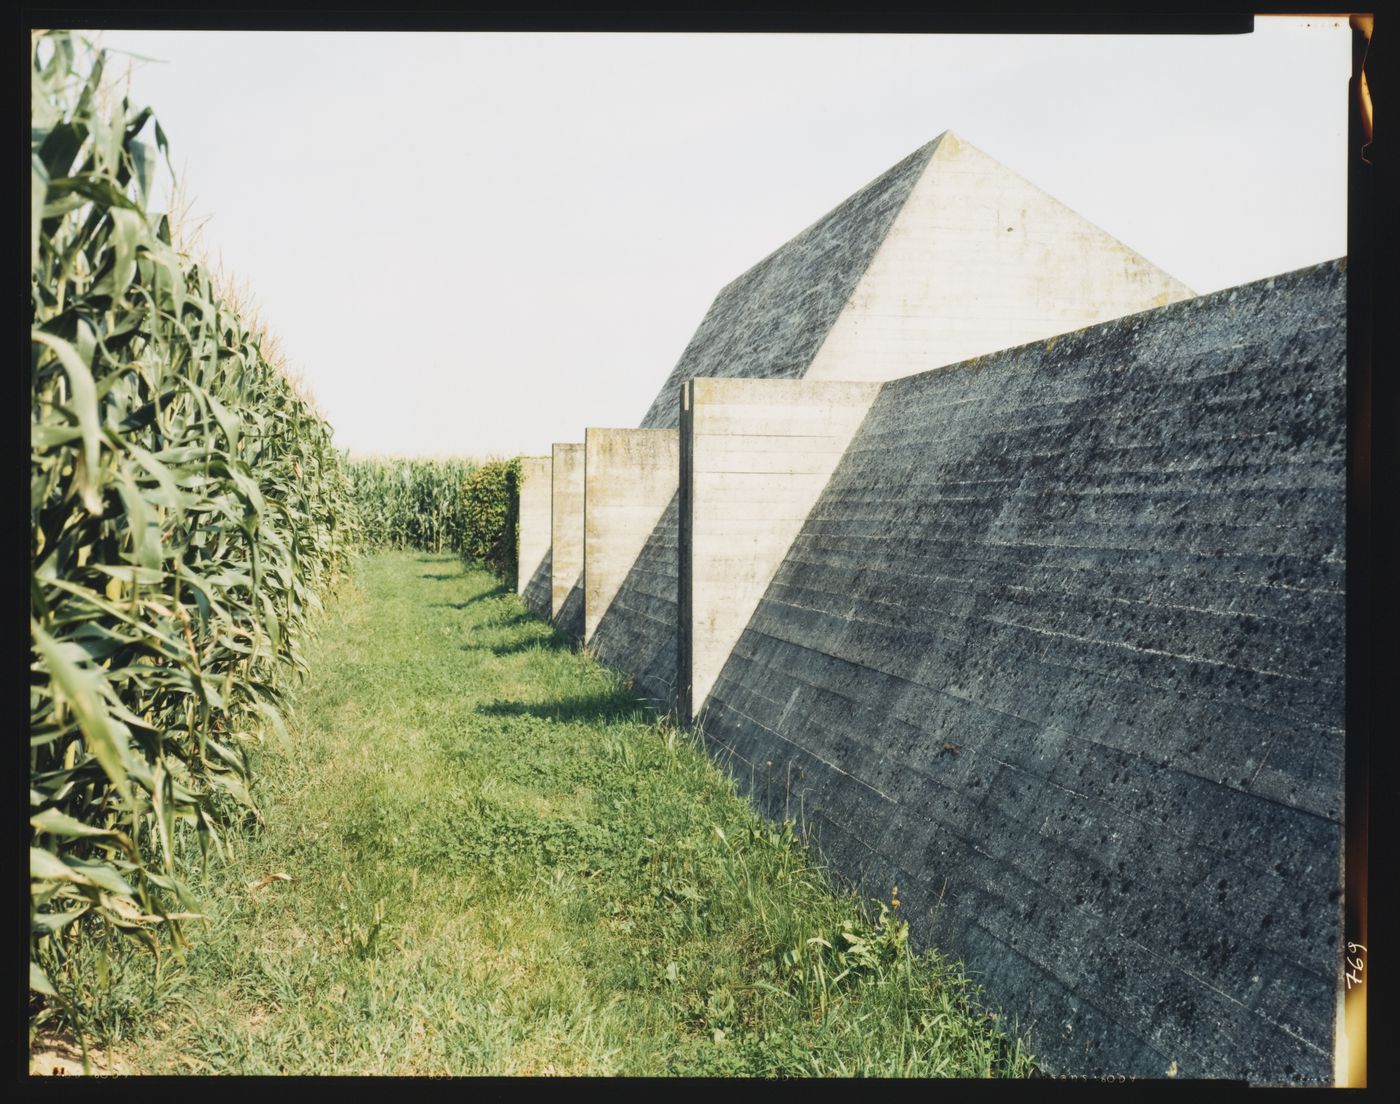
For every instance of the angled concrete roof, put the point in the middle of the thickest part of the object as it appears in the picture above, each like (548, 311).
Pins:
(947, 256)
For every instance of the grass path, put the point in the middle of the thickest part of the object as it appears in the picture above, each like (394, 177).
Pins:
(480, 858)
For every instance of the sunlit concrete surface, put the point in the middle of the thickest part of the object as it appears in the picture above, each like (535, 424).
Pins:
(630, 476)
(566, 539)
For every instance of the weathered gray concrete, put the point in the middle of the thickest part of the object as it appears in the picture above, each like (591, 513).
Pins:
(566, 539)
(630, 477)
(755, 456)
(947, 256)
(1058, 651)
(535, 491)
(638, 632)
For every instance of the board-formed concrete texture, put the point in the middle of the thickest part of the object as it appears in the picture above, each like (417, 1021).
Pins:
(755, 456)
(1059, 652)
(638, 632)
(630, 477)
(535, 491)
(566, 540)
(946, 256)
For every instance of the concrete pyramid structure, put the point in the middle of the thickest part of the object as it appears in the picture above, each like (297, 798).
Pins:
(947, 256)
(1020, 584)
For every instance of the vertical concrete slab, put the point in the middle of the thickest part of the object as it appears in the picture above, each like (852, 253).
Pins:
(755, 457)
(566, 539)
(630, 476)
(532, 558)
(638, 632)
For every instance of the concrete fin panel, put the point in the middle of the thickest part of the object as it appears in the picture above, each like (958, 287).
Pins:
(630, 477)
(1060, 652)
(755, 457)
(980, 259)
(637, 633)
(566, 539)
(536, 594)
(536, 489)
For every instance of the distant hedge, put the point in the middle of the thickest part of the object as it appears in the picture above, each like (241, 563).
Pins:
(441, 506)
(489, 511)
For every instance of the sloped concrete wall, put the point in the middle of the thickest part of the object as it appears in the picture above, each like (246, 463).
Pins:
(980, 259)
(1059, 653)
(536, 488)
(755, 456)
(945, 255)
(630, 477)
(770, 322)
(566, 540)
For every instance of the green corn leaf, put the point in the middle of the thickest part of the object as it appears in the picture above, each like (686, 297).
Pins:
(129, 232)
(50, 922)
(84, 406)
(102, 875)
(57, 823)
(38, 197)
(106, 737)
(39, 981)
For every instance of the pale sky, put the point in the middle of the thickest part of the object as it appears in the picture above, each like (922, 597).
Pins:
(474, 244)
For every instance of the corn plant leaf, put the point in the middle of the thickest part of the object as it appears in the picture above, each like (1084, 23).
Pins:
(38, 196)
(84, 405)
(39, 981)
(55, 822)
(106, 737)
(50, 922)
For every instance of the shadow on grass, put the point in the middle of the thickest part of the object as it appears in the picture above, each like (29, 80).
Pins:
(552, 643)
(469, 602)
(608, 708)
(439, 576)
(522, 618)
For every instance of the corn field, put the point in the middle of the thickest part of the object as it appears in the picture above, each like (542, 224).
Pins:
(441, 506)
(187, 508)
(411, 503)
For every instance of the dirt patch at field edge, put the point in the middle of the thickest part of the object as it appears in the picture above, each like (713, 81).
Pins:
(53, 1054)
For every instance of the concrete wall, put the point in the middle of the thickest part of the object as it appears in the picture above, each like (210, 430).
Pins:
(638, 632)
(946, 256)
(980, 259)
(536, 488)
(1058, 651)
(755, 456)
(769, 322)
(630, 477)
(566, 533)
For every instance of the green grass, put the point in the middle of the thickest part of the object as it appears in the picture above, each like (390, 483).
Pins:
(498, 865)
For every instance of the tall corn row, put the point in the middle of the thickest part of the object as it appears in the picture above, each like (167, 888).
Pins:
(186, 508)
(411, 503)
